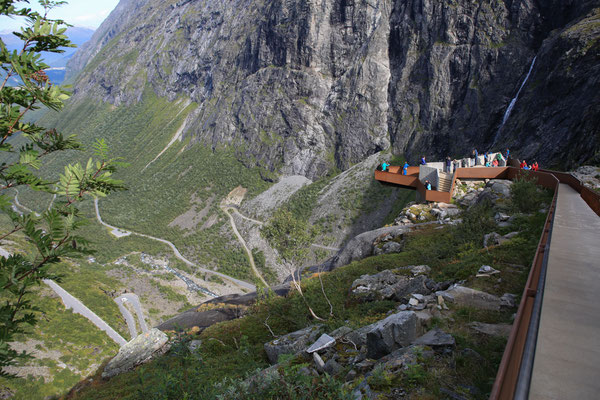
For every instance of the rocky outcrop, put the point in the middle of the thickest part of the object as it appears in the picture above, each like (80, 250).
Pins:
(140, 350)
(302, 87)
(393, 332)
(387, 285)
(223, 308)
(292, 342)
(467, 297)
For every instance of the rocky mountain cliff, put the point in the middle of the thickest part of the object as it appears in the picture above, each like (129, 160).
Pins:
(302, 86)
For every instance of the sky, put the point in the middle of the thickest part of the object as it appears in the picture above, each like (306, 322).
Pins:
(84, 13)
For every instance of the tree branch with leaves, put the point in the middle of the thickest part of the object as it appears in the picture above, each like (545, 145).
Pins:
(53, 234)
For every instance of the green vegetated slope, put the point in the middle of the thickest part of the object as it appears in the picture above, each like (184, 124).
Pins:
(232, 351)
(188, 176)
(65, 346)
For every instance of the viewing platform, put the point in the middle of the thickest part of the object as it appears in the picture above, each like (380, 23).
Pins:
(553, 351)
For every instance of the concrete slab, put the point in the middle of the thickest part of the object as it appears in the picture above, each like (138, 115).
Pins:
(567, 360)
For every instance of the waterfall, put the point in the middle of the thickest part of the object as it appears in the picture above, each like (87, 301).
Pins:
(514, 100)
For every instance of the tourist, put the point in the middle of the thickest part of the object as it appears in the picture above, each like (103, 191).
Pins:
(507, 154)
(524, 165)
(457, 164)
(423, 162)
(475, 154)
(405, 169)
(427, 185)
(495, 162)
(535, 166)
(448, 164)
(488, 164)
(384, 166)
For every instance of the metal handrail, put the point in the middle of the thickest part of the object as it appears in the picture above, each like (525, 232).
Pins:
(527, 359)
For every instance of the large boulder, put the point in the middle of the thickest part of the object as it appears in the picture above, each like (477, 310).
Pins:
(467, 297)
(361, 246)
(387, 285)
(397, 330)
(140, 350)
(436, 339)
(500, 187)
(292, 342)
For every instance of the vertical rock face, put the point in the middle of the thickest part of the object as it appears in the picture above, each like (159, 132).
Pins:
(300, 86)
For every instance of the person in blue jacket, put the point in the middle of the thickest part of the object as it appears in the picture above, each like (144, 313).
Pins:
(428, 185)
(423, 161)
(405, 169)
(384, 166)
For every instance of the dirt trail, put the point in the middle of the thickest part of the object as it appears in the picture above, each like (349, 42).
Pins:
(230, 203)
(238, 282)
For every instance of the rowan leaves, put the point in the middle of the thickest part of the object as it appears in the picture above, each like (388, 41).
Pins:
(53, 233)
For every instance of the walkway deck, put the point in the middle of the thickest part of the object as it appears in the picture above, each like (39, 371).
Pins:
(567, 357)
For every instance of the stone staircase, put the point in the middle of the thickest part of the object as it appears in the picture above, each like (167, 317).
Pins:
(445, 182)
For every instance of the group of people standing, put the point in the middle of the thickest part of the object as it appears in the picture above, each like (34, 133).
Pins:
(490, 160)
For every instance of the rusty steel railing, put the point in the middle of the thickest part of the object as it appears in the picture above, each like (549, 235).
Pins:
(523, 335)
(514, 373)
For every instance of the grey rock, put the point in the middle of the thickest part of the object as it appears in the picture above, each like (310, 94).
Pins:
(291, 343)
(365, 365)
(361, 246)
(486, 270)
(332, 367)
(423, 321)
(464, 296)
(387, 285)
(351, 375)
(391, 247)
(501, 217)
(508, 300)
(194, 345)
(341, 332)
(501, 330)
(389, 334)
(320, 364)
(436, 339)
(322, 343)
(500, 187)
(420, 269)
(140, 350)
(359, 336)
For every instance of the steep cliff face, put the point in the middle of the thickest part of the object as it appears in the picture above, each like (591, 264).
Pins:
(302, 86)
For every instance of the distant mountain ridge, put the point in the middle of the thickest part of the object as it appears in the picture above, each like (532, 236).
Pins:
(57, 61)
(300, 88)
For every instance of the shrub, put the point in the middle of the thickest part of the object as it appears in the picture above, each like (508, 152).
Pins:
(525, 195)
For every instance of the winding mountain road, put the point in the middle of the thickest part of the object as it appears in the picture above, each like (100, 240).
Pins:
(79, 308)
(226, 210)
(134, 300)
(238, 282)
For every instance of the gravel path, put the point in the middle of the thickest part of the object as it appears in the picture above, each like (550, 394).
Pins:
(238, 282)
(226, 210)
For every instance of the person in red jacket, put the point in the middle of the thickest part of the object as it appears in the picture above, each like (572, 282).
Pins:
(523, 164)
(535, 166)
